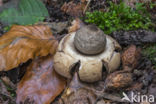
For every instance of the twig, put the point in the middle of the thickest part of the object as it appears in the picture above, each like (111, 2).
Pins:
(86, 6)
(109, 97)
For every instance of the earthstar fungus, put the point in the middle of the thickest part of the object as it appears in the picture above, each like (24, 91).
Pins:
(92, 49)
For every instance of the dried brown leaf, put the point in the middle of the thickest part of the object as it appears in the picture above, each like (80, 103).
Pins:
(72, 9)
(78, 92)
(130, 57)
(41, 84)
(76, 24)
(118, 80)
(22, 43)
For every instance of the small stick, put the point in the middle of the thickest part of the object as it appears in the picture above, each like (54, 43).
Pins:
(86, 6)
(109, 97)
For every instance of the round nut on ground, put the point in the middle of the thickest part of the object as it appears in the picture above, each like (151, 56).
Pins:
(90, 40)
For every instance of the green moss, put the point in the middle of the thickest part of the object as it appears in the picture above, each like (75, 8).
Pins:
(120, 17)
(12, 91)
(150, 52)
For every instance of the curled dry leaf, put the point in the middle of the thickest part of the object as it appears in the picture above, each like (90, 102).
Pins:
(118, 80)
(72, 9)
(130, 57)
(22, 43)
(81, 96)
(41, 84)
(76, 24)
(78, 92)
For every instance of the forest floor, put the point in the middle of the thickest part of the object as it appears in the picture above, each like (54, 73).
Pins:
(61, 17)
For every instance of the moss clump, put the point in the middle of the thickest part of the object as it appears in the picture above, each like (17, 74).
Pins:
(120, 17)
(150, 52)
